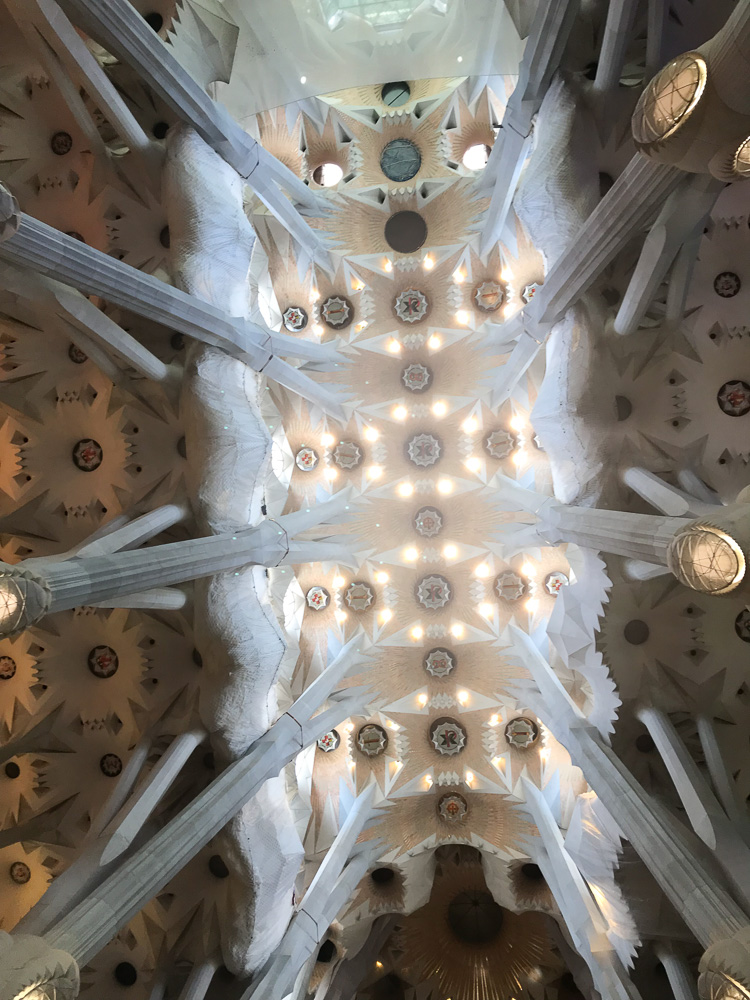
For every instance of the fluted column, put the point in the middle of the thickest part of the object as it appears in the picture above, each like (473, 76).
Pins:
(585, 923)
(42, 248)
(124, 32)
(680, 978)
(669, 851)
(96, 919)
(706, 816)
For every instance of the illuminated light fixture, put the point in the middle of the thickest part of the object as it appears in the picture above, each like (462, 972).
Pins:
(469, 777)
(459, 277)
(317, 329)
(371, 434)
(434, 342)
(314, 295)
(494, 719)
(392, 725)
(331, 474)
(485, 610)
(470, 425)
(381, 577)
(463, 697)
(462, 317)
(544, 754)
(405, 489)
(457, 630)
(338, 582)
(473, 464)
(303, 79)
(482, 570)
(450, 552)
(445, 486)
(476, 156)
(385, 615)
(387, 266)
(349, 727)
(394, 347)
(340, 615)
(510, 309)
(528, 570)
(428, 780)
(531, 605)
(423, 699)
(517, 423)
(352, 765)
(357, 285)
(328, 174)
(519, 457)
(428, 263)
(506, 274)
(439, 409)
(411, 554)
(327, 440)
(417, 632)
(400, 413)
(378, 965)
(374, 471)
(361, 326)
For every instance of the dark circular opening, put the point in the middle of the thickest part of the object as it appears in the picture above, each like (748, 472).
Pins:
(160, 130)
(12, 770)
(327, 951)
(405, 232)
(182, 448)
(177, 341)
(217, 867)
(125, 974)
(154, 20)
(382, 876)
(532, 872)
(644, 743)
(197, 658)
(636, 632)
(395, 94)
(164, 237)
(611, 295)
(605, 183)
(61, 143)
(475, 917)
(623, 407)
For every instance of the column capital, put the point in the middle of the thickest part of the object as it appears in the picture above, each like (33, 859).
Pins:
(724, 970)
(32, 970)
(25, 597)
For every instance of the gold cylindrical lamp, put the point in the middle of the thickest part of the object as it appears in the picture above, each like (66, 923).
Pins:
(695, 113)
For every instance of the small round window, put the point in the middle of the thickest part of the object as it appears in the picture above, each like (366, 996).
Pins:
(400, 160)
(395, 94)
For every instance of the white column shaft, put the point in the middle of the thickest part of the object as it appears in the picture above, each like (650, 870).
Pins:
(680, 978)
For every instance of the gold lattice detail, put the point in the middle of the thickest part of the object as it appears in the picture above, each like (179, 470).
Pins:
(669, 99)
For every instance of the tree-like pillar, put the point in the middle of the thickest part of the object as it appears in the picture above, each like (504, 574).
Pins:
(96, 919)
(672, 854)
(680, 978)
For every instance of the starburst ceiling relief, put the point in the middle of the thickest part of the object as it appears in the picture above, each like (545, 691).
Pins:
(436, 583)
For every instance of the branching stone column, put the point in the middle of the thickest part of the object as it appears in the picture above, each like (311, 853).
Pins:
(96, 919)
(31, 969)
(39, 247)
(26, 595)
(585, 923)
(706, 816)
(679, 975)
(667, 849)
(124, 32)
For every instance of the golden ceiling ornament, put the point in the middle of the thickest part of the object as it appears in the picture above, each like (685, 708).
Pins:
(669, 99)
(724, 970)
(741, 163)
(707, 559)
(435, 946)
(24, 599)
